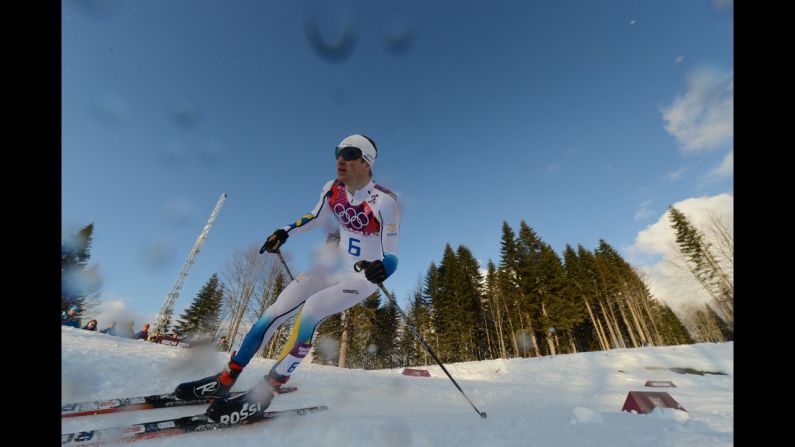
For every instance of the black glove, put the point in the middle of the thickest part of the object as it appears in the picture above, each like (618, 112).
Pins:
(274, 241)
(375, 272)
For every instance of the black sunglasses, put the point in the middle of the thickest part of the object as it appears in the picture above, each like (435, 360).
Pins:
(348, 153)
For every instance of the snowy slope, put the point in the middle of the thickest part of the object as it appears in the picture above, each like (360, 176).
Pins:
(566, 400)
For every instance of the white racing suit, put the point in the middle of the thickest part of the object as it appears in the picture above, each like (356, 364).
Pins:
(368, 223)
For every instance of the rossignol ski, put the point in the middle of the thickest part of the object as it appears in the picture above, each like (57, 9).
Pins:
(138, 403)
(172, 427)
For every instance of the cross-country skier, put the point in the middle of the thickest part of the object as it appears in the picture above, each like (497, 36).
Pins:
(367, 217)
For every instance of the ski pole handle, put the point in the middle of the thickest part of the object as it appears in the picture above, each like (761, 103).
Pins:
(277, 239)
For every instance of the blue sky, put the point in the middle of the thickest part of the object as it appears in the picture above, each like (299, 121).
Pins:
(586, 119)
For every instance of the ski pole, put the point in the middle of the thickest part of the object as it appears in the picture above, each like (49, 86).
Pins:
(359, 266)
(279, 253)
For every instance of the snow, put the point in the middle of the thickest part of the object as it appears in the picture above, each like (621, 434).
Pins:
(564, 400)
(586, 415)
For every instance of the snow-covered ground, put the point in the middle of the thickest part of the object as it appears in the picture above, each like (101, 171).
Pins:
(566, 400)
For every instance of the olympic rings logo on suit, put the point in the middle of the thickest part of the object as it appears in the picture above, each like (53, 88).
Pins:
(350, 216)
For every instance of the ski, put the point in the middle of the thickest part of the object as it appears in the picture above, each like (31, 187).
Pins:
(138, 403)
(170, 427)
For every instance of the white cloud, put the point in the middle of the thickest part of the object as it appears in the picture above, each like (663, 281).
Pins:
(723, 170)
(677, 175)
(702, 118)
(655, 254)
(643, 211)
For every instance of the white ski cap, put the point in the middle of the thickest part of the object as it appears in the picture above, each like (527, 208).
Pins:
(365, 144)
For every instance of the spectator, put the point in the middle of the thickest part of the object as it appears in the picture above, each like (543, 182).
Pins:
(128, 331)
(91, 326)
(222, 345)
(143, 334)
(111, 329)
(70, 318)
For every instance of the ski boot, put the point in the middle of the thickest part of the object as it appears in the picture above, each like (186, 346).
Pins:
(251, 404)
(216, 386)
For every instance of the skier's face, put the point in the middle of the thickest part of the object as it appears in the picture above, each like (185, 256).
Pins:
(353, 173)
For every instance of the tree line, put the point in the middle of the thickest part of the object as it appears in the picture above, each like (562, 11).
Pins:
(533, 302)
(530, 302)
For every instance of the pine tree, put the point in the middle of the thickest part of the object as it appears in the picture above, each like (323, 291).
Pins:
(430, 293)
(509, 291)
(408, 353)
(639, 303)
(560, 309)
(213, 320)
(419, 315)
(592, 286)
(495, 307)
(80, 284)
(725, 329)
(508, 250)
(704, 264)
(614, 272)
(611, 293)
(674, 332)
(201, 318)
(447, 308)
(708, 326)
(386, 336)
(585, 333)
(469, 292)
(534, 286)
(362, 348)
(423, 313)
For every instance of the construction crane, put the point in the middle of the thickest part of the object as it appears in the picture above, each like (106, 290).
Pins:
(167, 310)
